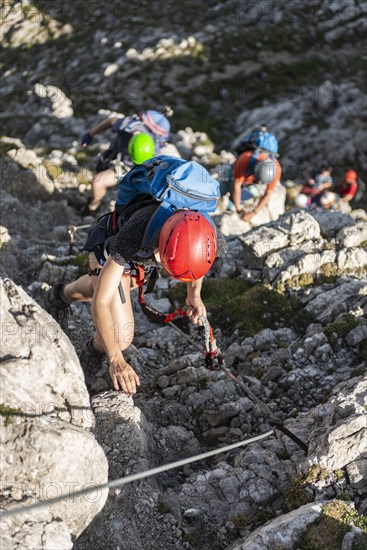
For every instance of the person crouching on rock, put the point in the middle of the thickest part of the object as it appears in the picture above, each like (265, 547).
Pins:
(250, 169)
(319, 181)
(140, 148)
(186, 247)
(349, 186)
(113, 162)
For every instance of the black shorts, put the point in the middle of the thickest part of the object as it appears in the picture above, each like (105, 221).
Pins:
(100, 237)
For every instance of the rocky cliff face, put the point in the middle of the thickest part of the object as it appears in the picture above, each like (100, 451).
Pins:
(47, 445)
(288, 302)
(291, 66)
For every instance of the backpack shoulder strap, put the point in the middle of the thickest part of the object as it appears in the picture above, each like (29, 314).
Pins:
(151, 235)
(252, 163)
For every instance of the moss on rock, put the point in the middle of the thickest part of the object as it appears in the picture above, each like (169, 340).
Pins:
(8, 412)
(237, 304)
(341, 327)
(329, 531)
(297, 493)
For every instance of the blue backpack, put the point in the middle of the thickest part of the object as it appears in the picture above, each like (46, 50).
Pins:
(176, 183)
(262, 139)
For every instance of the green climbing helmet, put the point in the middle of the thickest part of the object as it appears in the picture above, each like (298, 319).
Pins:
(141, 148)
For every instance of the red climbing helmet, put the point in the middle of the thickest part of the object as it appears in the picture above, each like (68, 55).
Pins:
(351, 176)
(187, 245)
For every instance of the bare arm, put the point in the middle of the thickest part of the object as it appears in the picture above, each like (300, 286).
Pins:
(348, 198)
(108, 282)
(102, 126)
(194, 301)
(236, 194)
(325, 185)
(247, 216)
(263, 201)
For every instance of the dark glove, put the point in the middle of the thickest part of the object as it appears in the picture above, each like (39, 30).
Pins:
(86, 139)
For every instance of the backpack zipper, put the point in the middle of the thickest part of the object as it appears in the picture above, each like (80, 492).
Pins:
(187, 193)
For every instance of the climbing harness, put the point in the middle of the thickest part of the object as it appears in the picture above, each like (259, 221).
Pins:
(214, 359)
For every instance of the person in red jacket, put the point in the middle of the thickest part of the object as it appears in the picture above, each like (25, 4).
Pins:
(249, 169)
(349, 186)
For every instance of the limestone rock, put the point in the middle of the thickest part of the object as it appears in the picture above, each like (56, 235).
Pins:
(60, 104)
(47, 448)
(352, 236)
(326, 305)
(31, 379)
(341, 438)
(357, 471)
(43, 457)
(281, 532)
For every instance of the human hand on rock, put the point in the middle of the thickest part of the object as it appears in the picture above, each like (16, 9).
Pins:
(124, 376)
(247, 216)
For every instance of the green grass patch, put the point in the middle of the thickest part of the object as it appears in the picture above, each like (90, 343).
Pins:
(260, 518)
(296, 493)
(162, 508)
(329, 273)
(344, 496)
(87, 155)
(241, 521)
(297, 281)
(263, 516)
(81, 261)
(358, 372)
(54, 171)
(341, 327)
(237, 304)
(328, 532)
(283, 455)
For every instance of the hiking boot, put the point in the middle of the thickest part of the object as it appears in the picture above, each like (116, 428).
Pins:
(86, 211)
(91, 361)
(56, 306)
(54, 299)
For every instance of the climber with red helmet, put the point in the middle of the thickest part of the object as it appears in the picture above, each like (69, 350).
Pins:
(152, 126)
(186, 246)
(349, 186)
(248, 170)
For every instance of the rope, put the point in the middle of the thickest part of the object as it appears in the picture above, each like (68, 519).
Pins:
(129, 479)
(266, 409)
(272, 419)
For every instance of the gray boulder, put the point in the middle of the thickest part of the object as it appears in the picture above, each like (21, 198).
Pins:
(338, 436)
(281, 532)
(326, 304)
(47, 447)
